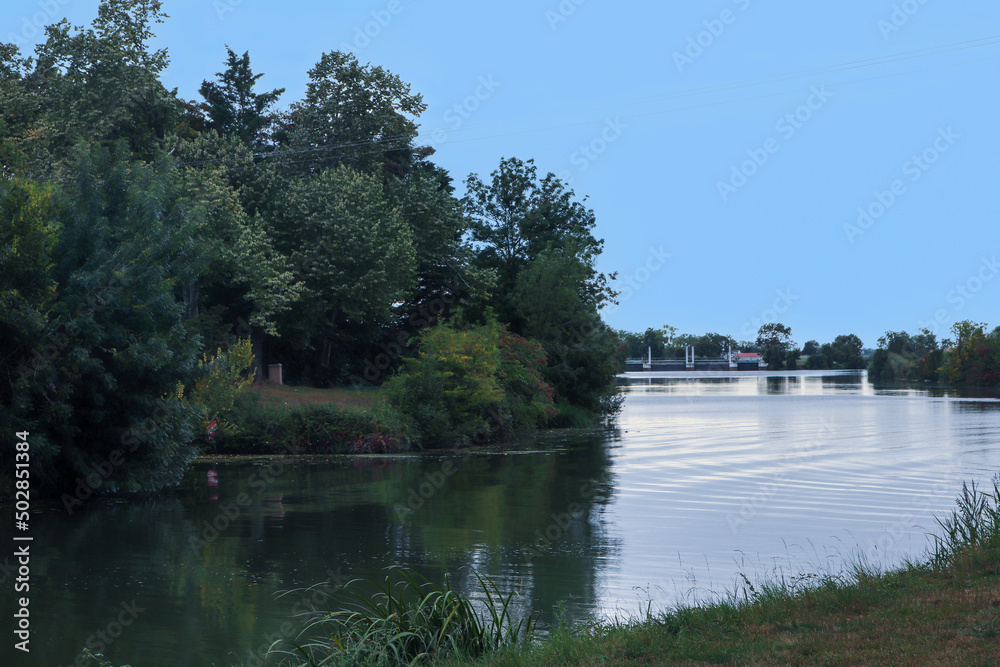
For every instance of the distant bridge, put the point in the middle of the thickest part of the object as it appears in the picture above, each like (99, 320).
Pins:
(738, 361)
(633, 365)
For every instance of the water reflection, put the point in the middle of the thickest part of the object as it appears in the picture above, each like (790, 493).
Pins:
(206, 563)
(708, 474)
(775, 385)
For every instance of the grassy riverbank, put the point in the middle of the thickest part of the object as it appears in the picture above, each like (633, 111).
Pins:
(278, 419)
(286, 395)
(942, 610)
(917, 616)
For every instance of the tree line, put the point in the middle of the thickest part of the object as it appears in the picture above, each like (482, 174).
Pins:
(156, 253)
(774, 342)
(970, 357)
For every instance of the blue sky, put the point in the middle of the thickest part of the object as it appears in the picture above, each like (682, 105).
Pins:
(832, 166)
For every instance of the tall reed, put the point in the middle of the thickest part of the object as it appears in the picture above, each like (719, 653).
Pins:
(407, 622)
(972, 531)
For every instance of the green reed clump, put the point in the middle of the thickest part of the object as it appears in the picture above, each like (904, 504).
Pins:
(408, 622)
(971, 534)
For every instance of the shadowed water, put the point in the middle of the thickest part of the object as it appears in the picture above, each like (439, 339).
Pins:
(708, 475)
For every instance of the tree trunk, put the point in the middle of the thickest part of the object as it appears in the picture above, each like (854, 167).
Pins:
(327, 347)
(324, 354)
(257, 345)
(190, 294)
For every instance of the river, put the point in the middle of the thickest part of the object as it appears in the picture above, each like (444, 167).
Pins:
(707, 478)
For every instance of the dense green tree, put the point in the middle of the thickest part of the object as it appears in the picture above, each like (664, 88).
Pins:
(660, 341)
(811, 347)
(818, 361)
(829, 353)
(538, 241)
(352, 114)
(29, 233)
(923, 342)
(974, 358)
(232, 106)
(517, 216)
(581, 349)
(847, 352)
(901, 356)
(103, 390)
(894, 341)
(713, 345)
(425, 200)
(19, 112)
(99, 84)
(774, 339)
(350, 249)
(241, 283)
(652, 343)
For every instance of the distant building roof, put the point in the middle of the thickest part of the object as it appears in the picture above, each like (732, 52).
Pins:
(747, 355)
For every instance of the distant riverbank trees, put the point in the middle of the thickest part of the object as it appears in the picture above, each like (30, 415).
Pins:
(844, 352)
(140, 232)
(773, 342)
(970, 358)
(666, 343)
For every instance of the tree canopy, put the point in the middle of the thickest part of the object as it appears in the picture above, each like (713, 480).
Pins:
(775, 340)
(232, 106)
(158, 253)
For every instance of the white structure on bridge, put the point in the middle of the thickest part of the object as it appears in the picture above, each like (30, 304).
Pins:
(747, 360)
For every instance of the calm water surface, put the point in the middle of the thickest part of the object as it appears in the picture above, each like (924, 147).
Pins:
(708, 476)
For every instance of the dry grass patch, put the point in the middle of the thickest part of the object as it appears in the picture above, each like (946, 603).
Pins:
(279, 394)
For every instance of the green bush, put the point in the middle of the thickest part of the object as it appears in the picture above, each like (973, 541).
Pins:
(450, 387)
(472, 385)
(312, 429)
(974, 358)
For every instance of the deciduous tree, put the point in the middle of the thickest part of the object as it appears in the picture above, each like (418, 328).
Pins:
(774, 339)
(350, 249)
(352, 114)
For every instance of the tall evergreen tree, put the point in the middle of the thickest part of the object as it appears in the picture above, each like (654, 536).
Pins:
(232, 106)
